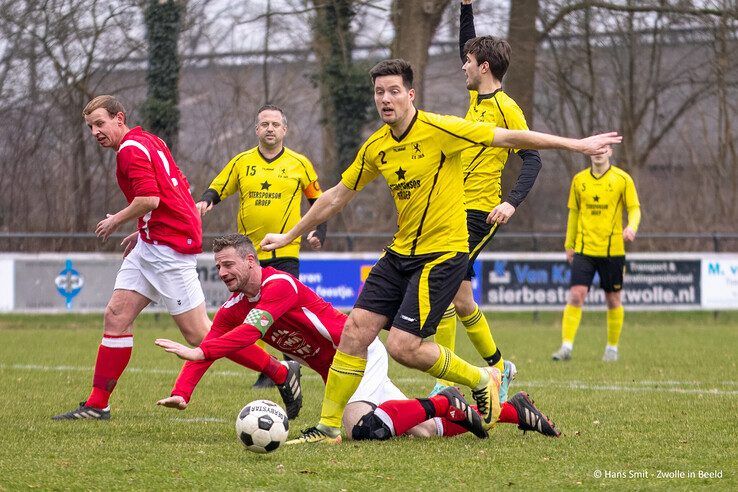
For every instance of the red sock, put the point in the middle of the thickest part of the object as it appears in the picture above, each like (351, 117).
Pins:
(259, 360)
(451, 429)
(112, 358)
(508, 415)
(276, 371)
(405, 414)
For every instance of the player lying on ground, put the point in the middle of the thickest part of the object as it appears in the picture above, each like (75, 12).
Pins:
(292, 318)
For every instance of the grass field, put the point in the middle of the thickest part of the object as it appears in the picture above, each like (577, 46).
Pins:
(661, 417)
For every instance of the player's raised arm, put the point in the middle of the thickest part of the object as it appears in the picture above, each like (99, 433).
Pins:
(466, 26)
(521, 139)
(329, 204)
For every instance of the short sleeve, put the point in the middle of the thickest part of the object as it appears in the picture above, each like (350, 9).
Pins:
(573, 198)
(363, 170)
(139, 170)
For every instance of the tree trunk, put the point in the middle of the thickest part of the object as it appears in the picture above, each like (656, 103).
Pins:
(523, 37)
(415, 24)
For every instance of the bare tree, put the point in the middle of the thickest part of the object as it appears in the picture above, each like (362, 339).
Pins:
(415, 23)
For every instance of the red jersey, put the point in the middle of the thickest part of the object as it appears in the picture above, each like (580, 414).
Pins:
(147, 168)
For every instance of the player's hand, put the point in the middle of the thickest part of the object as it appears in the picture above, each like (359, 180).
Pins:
(599, 144)
(314, 240)
(181, 351)
(128, 243)
(501, 213)
(274, 241)
(203, 207)
(106, 227)
(173, 402)
(570, 256)
(629, 234)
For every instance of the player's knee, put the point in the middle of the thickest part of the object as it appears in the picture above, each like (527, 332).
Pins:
(370, 428)
(612, 299)
(194, 339)
(403, 352)
(114, 320)
(576, 296)
(351, 339)
(465, 306)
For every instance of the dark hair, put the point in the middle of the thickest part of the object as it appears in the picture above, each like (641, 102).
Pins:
(495, 51)
(270, 107)
(109, 103)
(394, 67)
(239, 242)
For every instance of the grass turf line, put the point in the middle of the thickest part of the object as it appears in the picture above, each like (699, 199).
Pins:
(625, 419)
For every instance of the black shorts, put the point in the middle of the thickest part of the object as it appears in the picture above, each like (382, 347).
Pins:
(610, 269)
(413, 291)
(480, 234)
(289, 265)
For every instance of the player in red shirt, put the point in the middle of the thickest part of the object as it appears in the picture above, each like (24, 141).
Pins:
(160, 267)
(275, 306)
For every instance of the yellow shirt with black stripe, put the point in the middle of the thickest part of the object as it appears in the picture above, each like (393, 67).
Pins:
(483, 165)
(423, 171)
(596, 207)
(270, 192)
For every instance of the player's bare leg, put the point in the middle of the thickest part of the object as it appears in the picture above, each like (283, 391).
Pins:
(113, 354)
(194, 324)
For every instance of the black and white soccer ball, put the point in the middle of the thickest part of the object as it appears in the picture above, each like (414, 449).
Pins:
(262, 426)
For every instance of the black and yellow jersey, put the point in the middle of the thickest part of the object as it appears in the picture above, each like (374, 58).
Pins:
(483, 165)
(423, 171)
(270, 191)
(596, 206)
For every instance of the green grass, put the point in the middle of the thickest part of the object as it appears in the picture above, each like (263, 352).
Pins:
(670, 404)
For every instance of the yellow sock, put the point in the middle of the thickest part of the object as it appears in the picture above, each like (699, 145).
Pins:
(344, 377)
(614, 325)
(570, 323)
(480, 335)
(455, 369)
(446, 334)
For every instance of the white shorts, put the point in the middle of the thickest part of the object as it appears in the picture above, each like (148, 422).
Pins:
(162, 275)
(376, 387)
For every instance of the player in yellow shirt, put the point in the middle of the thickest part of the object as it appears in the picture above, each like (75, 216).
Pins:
(485, 60)
(269, 179)
(411, 285)
(595, 240)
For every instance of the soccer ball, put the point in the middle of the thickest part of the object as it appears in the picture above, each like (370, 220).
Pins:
(262, 426)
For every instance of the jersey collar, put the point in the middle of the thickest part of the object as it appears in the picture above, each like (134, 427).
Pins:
(601, 175)
(482, 97)
(273, 158)
(407, 130)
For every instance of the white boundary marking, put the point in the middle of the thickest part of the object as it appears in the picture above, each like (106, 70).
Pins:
(653, 386)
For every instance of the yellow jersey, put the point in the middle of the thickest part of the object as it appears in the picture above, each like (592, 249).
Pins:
(596, 207)
(483, 165)
(270, 192)
(423, 171)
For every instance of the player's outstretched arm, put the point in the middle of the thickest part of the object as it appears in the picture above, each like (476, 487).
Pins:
(526, 139)
(329, 204)
(181, 351)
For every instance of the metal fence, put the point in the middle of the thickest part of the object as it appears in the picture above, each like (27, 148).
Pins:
(719, 242)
